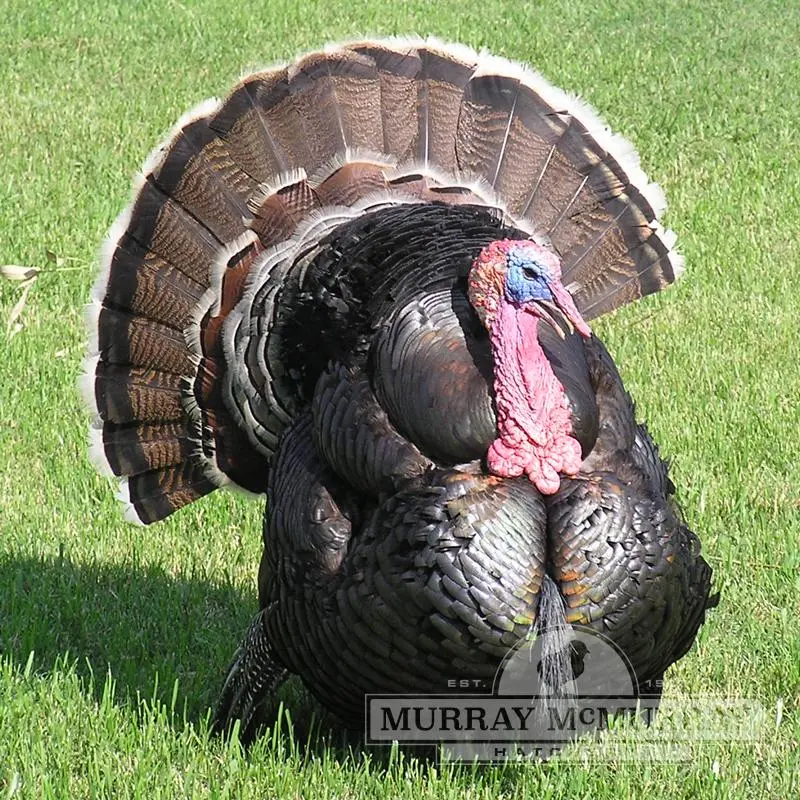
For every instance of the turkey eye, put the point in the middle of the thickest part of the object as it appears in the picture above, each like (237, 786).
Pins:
(529, 273)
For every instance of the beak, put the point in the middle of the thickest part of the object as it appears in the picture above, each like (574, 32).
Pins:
(551, 313)
(566, 305)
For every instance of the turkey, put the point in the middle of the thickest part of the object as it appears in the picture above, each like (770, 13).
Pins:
(362, 285)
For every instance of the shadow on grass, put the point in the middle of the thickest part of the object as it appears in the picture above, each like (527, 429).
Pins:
(150, 629)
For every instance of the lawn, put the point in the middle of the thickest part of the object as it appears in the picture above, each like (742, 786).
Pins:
(113, 639)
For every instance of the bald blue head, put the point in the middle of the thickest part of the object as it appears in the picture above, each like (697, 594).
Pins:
(527, 277)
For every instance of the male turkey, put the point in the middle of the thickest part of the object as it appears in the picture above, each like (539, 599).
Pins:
(361, 285)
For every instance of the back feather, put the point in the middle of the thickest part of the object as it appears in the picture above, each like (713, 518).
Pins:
(185, 375)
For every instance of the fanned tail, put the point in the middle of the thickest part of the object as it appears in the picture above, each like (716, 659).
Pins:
(186, 377)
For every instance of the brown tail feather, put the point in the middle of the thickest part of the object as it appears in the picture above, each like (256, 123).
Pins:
(337, 95)
(441, 84)
(281, 207)
(157, 494)
(198, 173)
(187, 394)
(160, 224)
(485, 140)
(240, 124)
(648, 269)
(128, 394)
(142, 282)
(596, 237)
(398, 69)
(551, 161)
(124, 338)
(131, 449)
(352, 182)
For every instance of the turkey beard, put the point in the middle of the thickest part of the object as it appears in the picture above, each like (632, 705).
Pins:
(533, 418)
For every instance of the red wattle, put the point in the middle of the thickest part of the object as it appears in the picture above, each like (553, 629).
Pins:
(533, 419)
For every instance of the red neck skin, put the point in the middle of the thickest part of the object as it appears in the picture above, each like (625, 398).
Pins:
(533, 419)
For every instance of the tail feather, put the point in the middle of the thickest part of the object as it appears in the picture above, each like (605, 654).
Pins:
(398, 68)
(485, 140)
(241, 125)
(158, 493)
(127, 394)
(141, 282)
(337, 93)
(280, 206)
(197, 172)
(597, 238)
(276, 108)
(552, 161)
(441, 84)
(124, 338)
(129, 449)
(160, 224)
(351, 182)
(651, 262)
(563, 178)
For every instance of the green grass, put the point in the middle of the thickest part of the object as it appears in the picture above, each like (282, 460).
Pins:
(114, 639)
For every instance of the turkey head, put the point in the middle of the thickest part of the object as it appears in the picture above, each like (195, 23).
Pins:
(513, 285)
